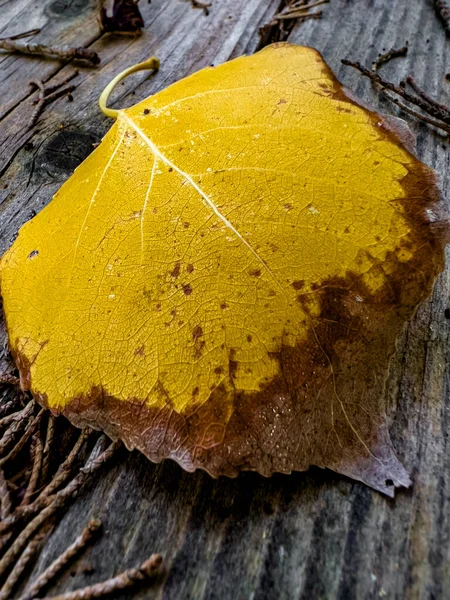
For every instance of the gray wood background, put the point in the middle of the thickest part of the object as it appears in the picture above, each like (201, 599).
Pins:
(309, 535)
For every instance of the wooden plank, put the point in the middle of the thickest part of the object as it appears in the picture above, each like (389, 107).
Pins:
(308, 536)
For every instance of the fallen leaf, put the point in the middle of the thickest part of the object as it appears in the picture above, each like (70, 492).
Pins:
(223, 279)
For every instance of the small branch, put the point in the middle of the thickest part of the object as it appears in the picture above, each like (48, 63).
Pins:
(5, 407)
(54, 503)
(49, 93)
(45, 500)
(24, 34)
(387, 56)
(87, 535)
(414, 113)
(7, 379)
(431, 101)
(5, 497)
(64, 469)
(83, 54)
(16, 427)
(17, 416)
(122, 581)
(49, 437)
(37, 463)
(282, 23)
(297, 11)
(439, 118)
(27, 556)
(29, 430)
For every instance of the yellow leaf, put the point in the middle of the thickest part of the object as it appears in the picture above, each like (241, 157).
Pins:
(222, 281)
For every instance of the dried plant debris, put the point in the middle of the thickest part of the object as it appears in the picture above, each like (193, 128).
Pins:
(443, 12)
(385, 57)
(205, 6)
(126, 18)
(36, 482)
(289, 13)
(49, 93)
(126, 579)
(89, 533)
(408, 95)
(14, 44)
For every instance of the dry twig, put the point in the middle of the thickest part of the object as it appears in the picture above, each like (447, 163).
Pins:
(49, 437)
(433, 112)
(87, 535)
(17, 416)
(5, 497)
(48, 93)
(37, 462)
(282, 23)
(54, 503)
(124, 580)
(15, 429)
(14, 45)
(24, 560)
(29, 430)
(8, 379)
(389, 55)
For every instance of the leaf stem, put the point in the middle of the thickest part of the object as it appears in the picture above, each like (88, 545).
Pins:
(150, 64)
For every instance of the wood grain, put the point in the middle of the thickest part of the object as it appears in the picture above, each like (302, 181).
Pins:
(305, 536)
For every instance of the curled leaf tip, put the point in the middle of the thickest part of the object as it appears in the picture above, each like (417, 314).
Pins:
(151, 64)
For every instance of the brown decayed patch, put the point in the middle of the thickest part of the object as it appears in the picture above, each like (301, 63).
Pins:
(199, 342)
(187, 289)
(176, 270)
(325, 405)
(255, 273)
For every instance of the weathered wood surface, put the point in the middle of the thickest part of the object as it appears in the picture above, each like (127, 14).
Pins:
(308, 536)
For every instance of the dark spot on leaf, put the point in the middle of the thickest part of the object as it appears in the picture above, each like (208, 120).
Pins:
(298, 285)
(190, 268)
(255, 273)
(249, 338)
(176, 270)
(33, 254)
(187, 289)
(186, 225)
(232, 368)
(140, 351)
(195, 392)
(146, 111)
(199, 344)
(218, 370)
(223, 305)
